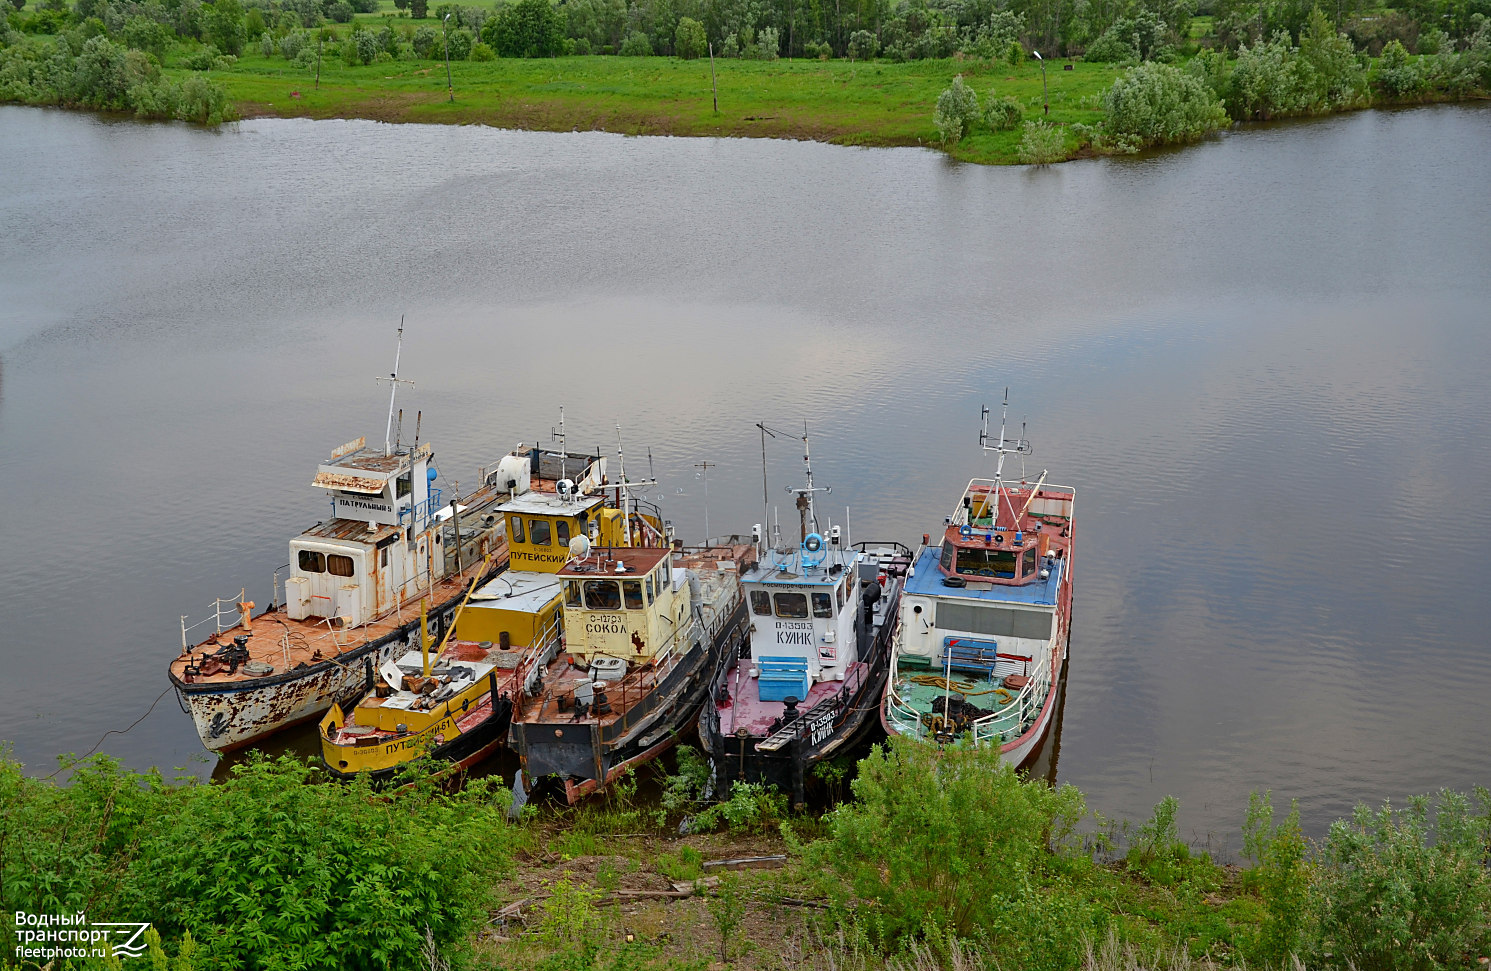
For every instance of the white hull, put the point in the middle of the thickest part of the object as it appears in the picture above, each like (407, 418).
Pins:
(233, 714)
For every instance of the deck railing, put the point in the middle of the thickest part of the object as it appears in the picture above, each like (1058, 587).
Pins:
(991, 728)
(234, 613)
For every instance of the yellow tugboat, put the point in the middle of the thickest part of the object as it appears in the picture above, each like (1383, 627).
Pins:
(457, 706)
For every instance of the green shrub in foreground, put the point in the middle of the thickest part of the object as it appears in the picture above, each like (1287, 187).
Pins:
(270, 869)
(1398, 891)
(951, 841)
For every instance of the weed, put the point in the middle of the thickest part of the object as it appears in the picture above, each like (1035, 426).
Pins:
(727, 908)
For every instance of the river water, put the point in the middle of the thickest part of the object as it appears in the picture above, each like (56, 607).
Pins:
(1262, 362)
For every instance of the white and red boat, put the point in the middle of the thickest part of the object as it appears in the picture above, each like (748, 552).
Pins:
(985, 617)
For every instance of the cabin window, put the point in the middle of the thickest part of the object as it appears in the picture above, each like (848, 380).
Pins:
(994, 621)
(515, 529)
(338, 565)
(649, 588)
(538, 532)
(947, 555)
(1027, 562)
(791, 605)
(572, 593)
(403, 485)
(602, 595)
(823, 605)
(561, 531)
(383, 556)
(987, 563)
(312, 562)
(631, 591)
(761, 603)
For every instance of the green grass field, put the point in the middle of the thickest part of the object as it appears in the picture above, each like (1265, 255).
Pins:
(866, 103)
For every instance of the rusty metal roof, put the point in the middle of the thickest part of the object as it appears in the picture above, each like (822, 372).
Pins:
(350, 483)
(355, 530)
(602, 562)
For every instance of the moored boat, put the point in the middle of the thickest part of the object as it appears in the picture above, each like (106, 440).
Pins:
(645, 631)
(459, 708)
(350, 602)
(807, 686)
(985, 618)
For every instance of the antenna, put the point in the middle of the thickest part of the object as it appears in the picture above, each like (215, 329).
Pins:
(559, 437)
(805, 509)
(706, 466)
(1005, 446)
(765, 496)
(394, 381)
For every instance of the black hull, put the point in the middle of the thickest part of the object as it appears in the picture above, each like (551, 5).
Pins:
(834, 727)
(587, 755)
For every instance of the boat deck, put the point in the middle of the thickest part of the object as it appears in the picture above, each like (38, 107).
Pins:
(283, 644)
(924, 690)
(560, 678)
(744, 709)
(468, 654)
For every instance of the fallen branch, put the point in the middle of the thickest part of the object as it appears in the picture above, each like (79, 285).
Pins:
(747, 863)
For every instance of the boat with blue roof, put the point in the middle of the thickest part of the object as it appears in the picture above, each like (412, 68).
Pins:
(985, 616)
(805, 685)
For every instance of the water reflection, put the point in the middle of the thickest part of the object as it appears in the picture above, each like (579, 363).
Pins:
(1259, 361)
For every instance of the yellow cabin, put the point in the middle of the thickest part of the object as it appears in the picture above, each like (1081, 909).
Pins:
(628, 604)
(512, 610)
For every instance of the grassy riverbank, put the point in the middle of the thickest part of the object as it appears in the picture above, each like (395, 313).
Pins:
(942, 859)
(843, 102)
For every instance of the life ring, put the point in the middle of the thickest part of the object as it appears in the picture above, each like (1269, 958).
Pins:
(966, 531)
(1004, 695)
(812, 543)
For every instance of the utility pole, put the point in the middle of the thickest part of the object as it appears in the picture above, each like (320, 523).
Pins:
(1045, 95)
(712, 82)
(444, 34)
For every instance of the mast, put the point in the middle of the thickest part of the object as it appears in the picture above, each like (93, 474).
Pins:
(805, 509)
(394, 381)
(1005, 446)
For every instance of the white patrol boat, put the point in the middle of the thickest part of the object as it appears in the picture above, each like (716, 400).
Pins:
(806, 687)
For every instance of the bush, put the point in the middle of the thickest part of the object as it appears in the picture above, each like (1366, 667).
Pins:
(688, 40)
(1399, 891)
(955, 112)
(582, 46)
(1282, 878)
(341, 12)
(1002, 114)
(1159, 105)
(144, 34)
(751, 807)
(365, 45)
(637, 44)
(461, 42)
(481, 52)
(1396, 76)
(528, 28)
(818, 50)
(863, 45)
(971, 845)
(203, 59)
(1041, 143)
(426, 39)
(768, 46)
(266, 869)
